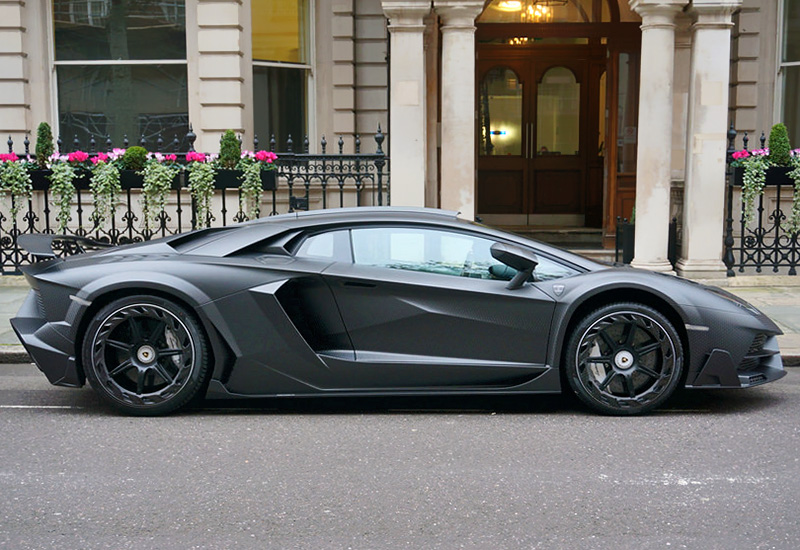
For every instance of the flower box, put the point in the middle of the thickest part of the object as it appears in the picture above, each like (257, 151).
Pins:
(231, 179)
(130, 179)
(776, 175)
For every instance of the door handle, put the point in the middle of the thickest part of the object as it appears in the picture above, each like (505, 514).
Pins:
(359, 284)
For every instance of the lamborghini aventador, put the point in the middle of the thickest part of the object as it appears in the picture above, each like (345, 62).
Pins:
(376, 301)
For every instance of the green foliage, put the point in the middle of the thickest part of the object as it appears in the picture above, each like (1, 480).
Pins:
(105, 189)
(779, 147)
(201, 187)
(62, 190)
(16, 182)
(230, 150)
(134, 158)
(250, 191)
(157, 184)
(792, 224)
(754, 178)
(44, 144)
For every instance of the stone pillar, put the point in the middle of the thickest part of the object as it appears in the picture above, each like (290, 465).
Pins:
(654, 152)
(704, 191)
(407, 116)
(220, 72)
(458, 104)
(14, 102)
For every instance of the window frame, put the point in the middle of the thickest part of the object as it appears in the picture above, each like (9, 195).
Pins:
(55, 64)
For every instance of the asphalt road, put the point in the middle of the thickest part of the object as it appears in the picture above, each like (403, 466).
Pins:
(714, 470)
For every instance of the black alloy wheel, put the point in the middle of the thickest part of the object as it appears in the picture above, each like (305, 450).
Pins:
(145, 355)
(624, 359)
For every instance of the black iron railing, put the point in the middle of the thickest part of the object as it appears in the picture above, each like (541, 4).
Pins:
(304, 181)
(764, 243)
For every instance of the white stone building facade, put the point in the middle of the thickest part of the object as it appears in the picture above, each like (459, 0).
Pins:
(566, 116)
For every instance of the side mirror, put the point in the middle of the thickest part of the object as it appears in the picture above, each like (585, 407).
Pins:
(524, 261)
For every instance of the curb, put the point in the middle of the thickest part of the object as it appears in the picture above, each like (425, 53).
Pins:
(17, 354)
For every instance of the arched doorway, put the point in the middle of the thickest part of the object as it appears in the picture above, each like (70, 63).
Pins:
(557, 99)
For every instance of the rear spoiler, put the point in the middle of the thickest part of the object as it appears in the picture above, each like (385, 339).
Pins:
(41, 245)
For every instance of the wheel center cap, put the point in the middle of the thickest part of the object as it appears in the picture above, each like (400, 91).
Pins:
(146, 354)
(623, 360)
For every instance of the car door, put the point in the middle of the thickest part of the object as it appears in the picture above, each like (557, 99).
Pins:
(422, 310)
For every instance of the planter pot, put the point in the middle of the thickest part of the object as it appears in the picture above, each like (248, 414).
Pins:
(626, 237)
(231, 179)
(40, 179)
(269, 179)
(129, 179)
(777, 175)
(228, 179)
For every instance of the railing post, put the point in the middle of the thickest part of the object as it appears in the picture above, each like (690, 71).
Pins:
(728, 258)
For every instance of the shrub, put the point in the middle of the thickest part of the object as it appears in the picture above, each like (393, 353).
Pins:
(134, 158)
(230, 150)
(779, 148)
(44, 144)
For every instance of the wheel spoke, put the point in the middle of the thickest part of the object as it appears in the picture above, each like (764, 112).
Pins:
(136, 332)
(118, 345)
(154, 333)
(162, 372)
(649, 348)
(140, 381)
(601, 359)
(628, 333)
(629, 386)
(167, 352)
(648, 371)
(609, 377)
(612, 345)
(122, 367)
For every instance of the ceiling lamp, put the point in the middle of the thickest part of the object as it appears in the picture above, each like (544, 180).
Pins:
(551, 3)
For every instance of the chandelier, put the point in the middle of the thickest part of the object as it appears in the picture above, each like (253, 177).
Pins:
(532, 11)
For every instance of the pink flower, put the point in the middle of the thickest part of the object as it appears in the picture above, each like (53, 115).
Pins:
(193, 156)
(78, 156)
(171, 158)
(116, 153)
(761, 152)
(266, 156)
(740, 154)
(101, 157)
(8, 157)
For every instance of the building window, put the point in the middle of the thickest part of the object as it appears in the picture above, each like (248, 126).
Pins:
(121, 70)
(281, 70)
(790, 69)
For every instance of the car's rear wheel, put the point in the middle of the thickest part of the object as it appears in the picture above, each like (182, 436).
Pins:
(624, 359)
(145, 355)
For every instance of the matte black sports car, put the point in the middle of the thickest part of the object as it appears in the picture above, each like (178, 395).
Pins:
(378, 301)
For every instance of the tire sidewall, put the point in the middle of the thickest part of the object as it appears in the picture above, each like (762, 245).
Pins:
(194, 381)
(571, 364)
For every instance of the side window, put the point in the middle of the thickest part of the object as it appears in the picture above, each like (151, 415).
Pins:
(331, 245)
(548, 270)
(422, 249)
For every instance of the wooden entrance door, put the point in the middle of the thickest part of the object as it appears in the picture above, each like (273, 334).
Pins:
(540, 144)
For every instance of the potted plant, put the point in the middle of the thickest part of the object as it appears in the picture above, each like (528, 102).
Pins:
(230, 151)
(44, 149)
(131, 163)
(258, 174)
(15, 180)
(775, 165)
(105, 187)
(67, 171)
(160, 174)
(201, 172)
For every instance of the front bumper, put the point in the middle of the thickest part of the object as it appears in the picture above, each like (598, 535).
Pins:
(52, 352)
(761, 364)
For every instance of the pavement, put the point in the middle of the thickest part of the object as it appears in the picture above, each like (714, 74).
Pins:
(776, 295)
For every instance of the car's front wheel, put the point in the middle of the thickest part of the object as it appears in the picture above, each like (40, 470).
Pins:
(624, 359)
(145, 355)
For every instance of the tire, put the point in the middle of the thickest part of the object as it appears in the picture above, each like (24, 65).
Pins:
(624, 359)
(145, 355)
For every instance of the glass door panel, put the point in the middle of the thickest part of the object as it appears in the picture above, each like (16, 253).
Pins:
(500, 105)
(558, 108)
